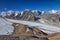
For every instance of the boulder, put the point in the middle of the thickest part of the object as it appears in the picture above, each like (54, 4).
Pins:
(30, 30)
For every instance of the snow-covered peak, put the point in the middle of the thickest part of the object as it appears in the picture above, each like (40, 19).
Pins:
(21, 12)
(3, 13)
(16, 13)
(53, 11)
(10, 12)
(26, 10)
(42, 12)
(34, 11)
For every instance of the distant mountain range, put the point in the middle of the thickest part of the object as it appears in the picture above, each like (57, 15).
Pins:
(23, 15)
(36, 12)
(30, 15)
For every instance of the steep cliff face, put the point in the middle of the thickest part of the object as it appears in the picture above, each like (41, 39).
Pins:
(51, 18)
(27, 15)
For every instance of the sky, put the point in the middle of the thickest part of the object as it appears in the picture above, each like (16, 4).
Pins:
(43, 5)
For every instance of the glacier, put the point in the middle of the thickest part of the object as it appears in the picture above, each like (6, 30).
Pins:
(5, 27)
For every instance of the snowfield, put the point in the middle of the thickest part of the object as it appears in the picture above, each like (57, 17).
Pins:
(5, 27)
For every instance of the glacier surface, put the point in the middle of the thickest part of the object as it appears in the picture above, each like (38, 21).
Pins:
(5, 27)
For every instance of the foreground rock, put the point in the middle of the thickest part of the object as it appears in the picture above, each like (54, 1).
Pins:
(21, 37)
(19, 28)
(32, 34)
(55, 36)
